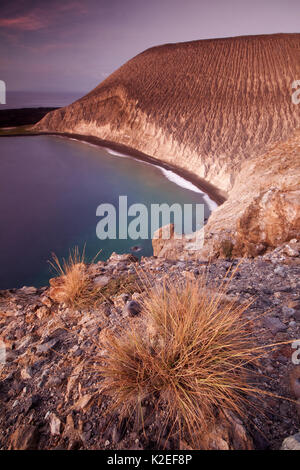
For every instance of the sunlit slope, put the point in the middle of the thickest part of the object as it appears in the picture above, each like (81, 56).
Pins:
(204, 106)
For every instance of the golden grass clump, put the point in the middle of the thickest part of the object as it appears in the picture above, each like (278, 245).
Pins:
(189, 355)
(74, 286)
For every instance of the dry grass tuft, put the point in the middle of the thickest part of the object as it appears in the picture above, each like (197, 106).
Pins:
(190, 356)
(74, 286)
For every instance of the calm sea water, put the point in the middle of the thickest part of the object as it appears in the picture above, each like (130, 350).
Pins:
(50, 188)
(33, 99)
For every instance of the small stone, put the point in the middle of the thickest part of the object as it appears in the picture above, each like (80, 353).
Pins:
(291, 443)
(180, 264)
(83, 402)
(32, 402)
(297, 315)
(106, 309)
(41, 312)
(289, 312)
(10, 356)
(101, 281)
(44, 348)
(132, 308)
(136, 248)
(289, 251)
(54, 381)
(28, 290)
(55, 425)
(269, 369)
(25, 374)
(280, 271)
(69, 430)
(125, 297)
(274, 324)
(120, 300)
(46, 301)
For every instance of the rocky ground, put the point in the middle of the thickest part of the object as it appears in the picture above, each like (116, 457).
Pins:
(50, 386)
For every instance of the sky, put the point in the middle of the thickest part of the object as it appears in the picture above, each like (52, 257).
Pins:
(73, 45)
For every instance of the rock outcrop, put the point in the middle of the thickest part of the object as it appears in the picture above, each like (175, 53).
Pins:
(261, 212)
(263, 208)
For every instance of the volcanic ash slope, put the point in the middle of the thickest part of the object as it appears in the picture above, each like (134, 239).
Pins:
(204, 106)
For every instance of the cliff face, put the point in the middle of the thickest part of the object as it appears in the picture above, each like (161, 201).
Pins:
(261, 212)
(205, 106)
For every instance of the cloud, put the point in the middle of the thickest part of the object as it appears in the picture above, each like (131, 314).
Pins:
(39, 17)
(23, 23)
(76, 7)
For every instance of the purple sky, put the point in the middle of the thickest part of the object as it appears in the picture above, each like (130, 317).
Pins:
(73, 45)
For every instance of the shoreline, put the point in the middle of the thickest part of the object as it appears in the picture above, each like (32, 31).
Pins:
(212, 192)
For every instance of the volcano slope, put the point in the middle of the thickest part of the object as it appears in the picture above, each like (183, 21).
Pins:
(208, 107)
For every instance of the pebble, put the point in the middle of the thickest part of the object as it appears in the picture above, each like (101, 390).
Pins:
(289, 312)
(274, 324)
(291, 443)
(101, 281)
(28, 290)
(46, 301)
(55, 425)
(44, 348)
(279, 270)
(25, 373)
(83, 402)
(132, 308)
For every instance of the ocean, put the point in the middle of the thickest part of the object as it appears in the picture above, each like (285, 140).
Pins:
(50, 188)
(36, 99)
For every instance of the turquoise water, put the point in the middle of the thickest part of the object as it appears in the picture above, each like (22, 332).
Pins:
(50, 188)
